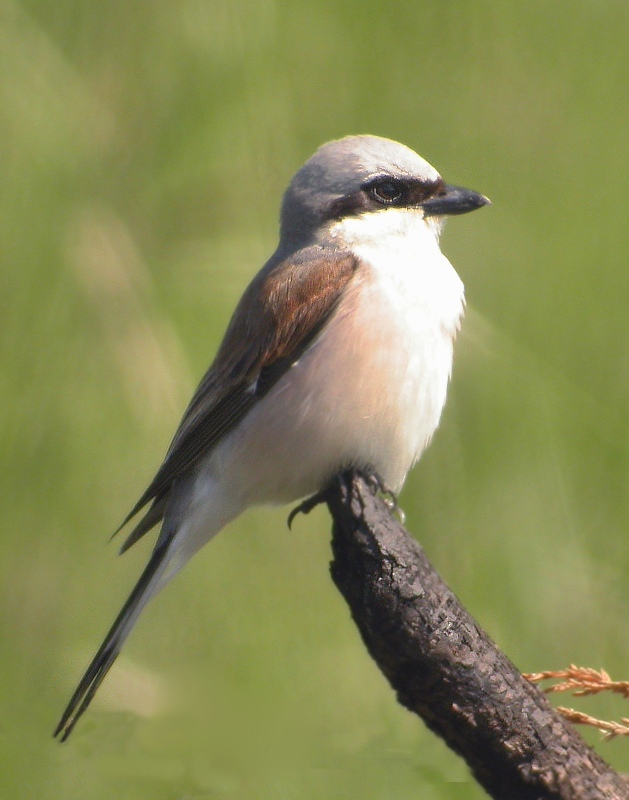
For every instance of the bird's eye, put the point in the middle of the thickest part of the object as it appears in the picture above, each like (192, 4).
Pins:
(388, 192)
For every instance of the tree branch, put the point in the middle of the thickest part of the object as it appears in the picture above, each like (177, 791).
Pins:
(447, 670)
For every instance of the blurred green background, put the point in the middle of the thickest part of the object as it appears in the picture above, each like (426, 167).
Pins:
(145, 149)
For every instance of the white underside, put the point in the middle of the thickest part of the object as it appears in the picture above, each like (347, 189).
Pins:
(368, 393)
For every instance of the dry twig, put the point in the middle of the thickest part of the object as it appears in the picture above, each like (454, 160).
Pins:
(448, 671)
(581, 681)
(609, 729)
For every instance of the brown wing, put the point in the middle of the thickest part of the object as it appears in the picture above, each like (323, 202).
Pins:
(280, 314)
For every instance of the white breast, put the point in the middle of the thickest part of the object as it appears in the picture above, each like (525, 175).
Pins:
(370, 391)
(406, 318)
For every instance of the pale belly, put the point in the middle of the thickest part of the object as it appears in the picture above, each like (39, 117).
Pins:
(369, 393)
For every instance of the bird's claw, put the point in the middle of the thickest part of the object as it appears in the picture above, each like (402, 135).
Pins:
(378, 486)
(305, 507)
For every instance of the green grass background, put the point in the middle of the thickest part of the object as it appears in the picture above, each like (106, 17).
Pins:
(145, 149)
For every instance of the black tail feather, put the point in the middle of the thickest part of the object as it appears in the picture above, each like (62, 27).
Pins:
(152, 517)
(110, 648)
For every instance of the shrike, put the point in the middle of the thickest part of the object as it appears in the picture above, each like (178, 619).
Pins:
(338, 355)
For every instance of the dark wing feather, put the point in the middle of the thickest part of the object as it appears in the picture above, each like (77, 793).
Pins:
(281, 313)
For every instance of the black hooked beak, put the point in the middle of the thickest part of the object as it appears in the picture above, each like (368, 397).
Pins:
(452, 200)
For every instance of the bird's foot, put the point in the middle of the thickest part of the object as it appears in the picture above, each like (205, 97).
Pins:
(378, 486)
(306, 506)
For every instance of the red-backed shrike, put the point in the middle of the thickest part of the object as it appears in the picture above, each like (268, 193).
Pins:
(338, 355)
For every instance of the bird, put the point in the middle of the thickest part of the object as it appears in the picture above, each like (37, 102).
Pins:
(337, 356)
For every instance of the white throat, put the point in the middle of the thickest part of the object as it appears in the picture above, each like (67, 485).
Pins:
(401, 249)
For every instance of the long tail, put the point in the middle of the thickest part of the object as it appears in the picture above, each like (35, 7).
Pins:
(100, 665)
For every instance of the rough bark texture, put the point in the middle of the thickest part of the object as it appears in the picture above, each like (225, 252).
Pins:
(447, 670)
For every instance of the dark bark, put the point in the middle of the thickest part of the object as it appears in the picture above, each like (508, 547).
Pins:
(446, 669)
